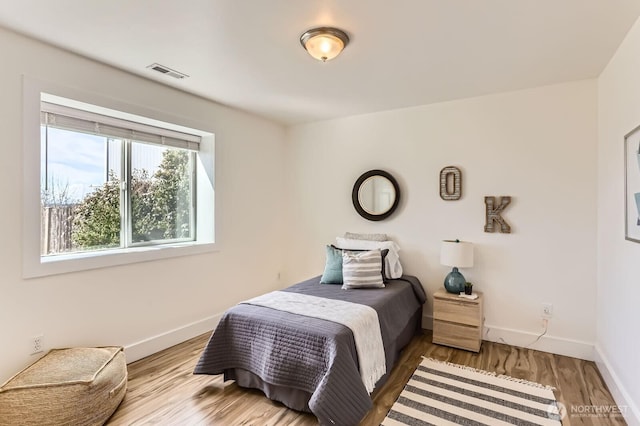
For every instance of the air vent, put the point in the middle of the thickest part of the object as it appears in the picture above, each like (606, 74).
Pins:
(167, 71)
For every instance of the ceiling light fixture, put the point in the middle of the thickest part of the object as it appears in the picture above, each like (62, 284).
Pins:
(324, 43)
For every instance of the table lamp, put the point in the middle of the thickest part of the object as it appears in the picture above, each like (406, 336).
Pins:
(458, 254)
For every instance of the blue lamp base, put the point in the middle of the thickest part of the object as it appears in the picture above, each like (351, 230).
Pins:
(454, 281)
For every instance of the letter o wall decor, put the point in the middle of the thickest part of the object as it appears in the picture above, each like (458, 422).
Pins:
(450, 183)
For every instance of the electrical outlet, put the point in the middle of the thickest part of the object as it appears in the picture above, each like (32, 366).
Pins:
(37, 344)
(547, 310)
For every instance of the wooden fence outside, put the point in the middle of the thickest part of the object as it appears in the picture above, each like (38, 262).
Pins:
(56, 227)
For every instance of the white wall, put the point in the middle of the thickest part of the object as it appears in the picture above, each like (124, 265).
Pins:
(618, 292)
(129, 305)
(537, 145)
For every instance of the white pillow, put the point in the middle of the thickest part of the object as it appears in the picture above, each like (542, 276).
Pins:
(361, 269)
(369, 237)
(392, 261)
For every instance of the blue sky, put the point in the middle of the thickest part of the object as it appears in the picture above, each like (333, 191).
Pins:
(79, 161)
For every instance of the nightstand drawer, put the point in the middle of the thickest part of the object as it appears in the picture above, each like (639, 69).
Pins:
(458, 311)
(457, 321)
(457, 335)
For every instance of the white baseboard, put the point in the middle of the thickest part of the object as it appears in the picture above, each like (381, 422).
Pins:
(525, 339)
(151, 345)
(629, 409)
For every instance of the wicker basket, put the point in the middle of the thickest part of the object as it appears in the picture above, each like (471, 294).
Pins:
(76, 386)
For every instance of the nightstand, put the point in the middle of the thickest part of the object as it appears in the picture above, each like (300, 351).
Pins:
(457, 321)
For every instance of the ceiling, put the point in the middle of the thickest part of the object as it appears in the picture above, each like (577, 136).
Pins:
(247, 54)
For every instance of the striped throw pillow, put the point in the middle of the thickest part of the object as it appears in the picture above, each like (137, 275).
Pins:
(362, 269)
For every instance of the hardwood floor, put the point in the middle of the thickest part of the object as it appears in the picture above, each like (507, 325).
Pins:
(162, 390)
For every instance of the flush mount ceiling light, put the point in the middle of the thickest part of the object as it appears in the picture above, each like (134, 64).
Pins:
(324, 43)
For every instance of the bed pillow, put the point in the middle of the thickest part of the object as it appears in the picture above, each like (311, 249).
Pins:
(362, 269)
(333, 266)
(384, 254)
(393, 268)
(368, 237)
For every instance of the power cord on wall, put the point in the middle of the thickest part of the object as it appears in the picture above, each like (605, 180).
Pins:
(545, 322)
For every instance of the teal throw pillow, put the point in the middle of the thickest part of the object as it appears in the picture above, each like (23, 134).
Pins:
(333, 267)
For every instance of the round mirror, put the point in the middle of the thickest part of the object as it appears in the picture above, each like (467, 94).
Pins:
(375, 195)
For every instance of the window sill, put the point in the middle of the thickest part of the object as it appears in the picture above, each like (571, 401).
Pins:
(65, 263)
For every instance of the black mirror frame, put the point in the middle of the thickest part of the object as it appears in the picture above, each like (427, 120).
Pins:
(356, 201)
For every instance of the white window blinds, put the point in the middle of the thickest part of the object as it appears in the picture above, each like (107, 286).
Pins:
(68, 118)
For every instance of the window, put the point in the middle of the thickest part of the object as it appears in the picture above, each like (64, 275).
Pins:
(108, 183)
(113, 187)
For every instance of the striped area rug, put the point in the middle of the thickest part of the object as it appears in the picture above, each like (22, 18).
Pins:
(441, 393)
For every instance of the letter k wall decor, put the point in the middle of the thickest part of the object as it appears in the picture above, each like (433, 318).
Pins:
(494, 214)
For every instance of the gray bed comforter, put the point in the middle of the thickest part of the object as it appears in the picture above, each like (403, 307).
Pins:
(310, 355)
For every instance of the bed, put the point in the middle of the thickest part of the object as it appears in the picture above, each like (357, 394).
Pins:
(311, 364)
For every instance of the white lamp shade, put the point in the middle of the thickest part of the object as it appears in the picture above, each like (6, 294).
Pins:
(456, 253)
